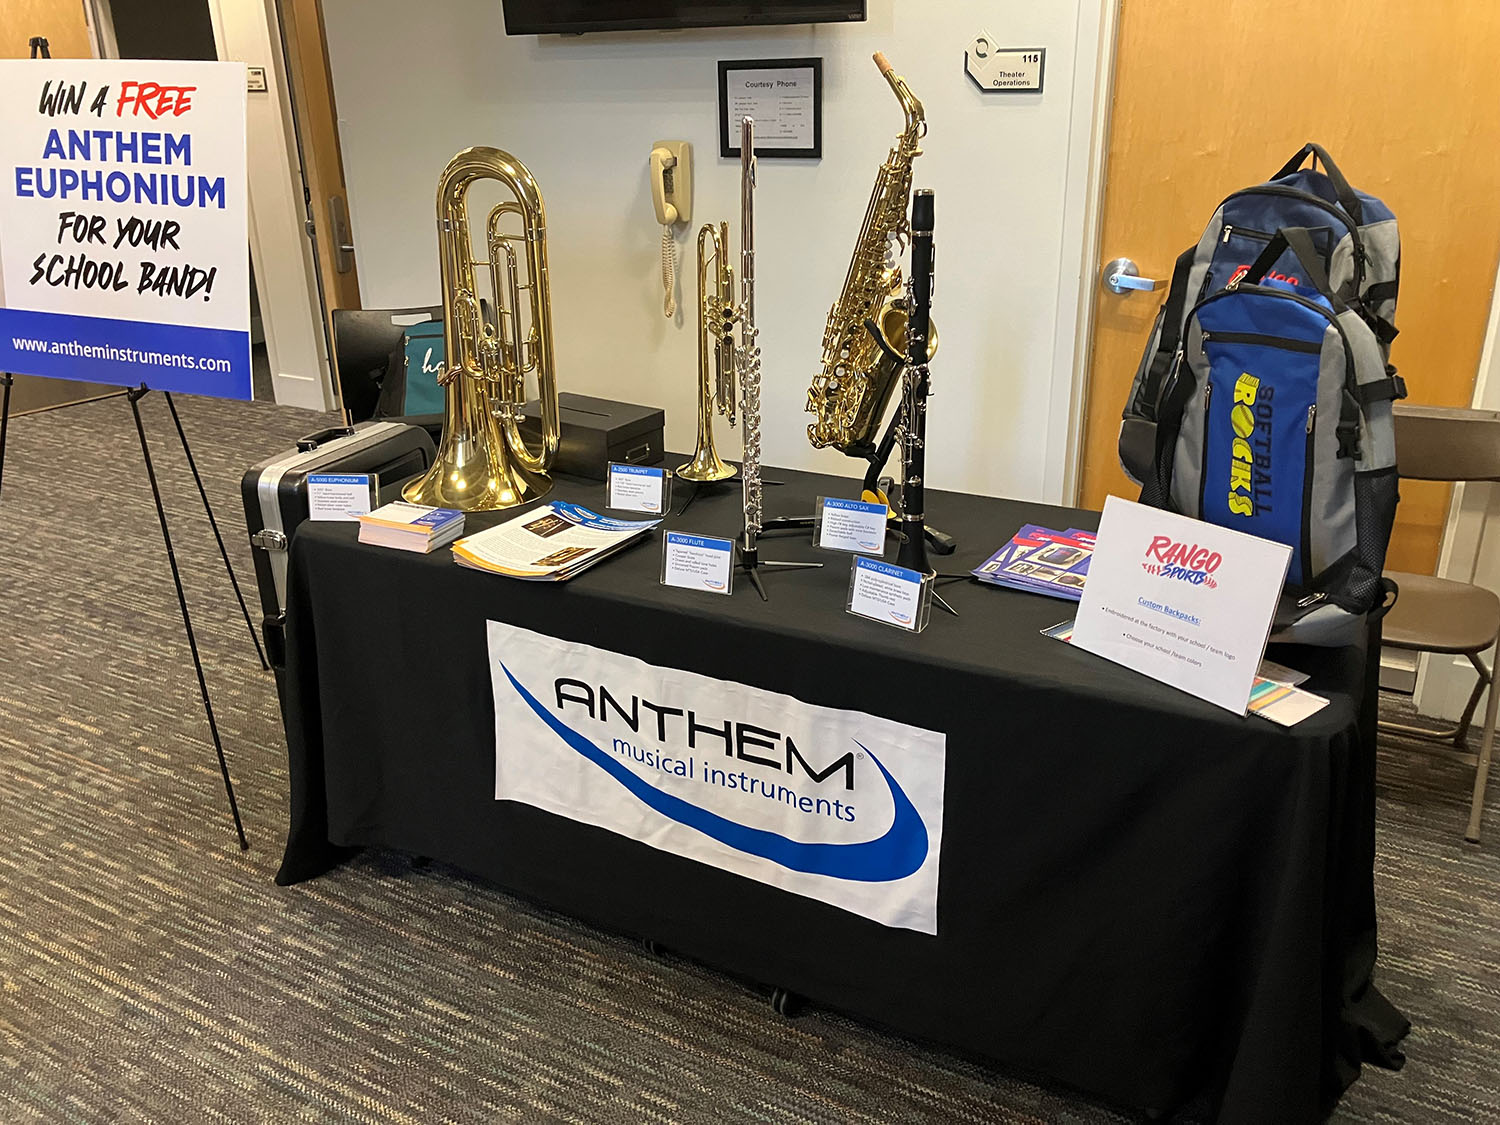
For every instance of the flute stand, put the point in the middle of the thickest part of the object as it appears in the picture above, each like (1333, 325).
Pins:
(751, 563)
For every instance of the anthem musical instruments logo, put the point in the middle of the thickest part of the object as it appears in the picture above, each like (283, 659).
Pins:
(831, 804)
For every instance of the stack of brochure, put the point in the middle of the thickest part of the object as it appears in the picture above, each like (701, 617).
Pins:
(548, 544)
(1042, 561)
(410, 527)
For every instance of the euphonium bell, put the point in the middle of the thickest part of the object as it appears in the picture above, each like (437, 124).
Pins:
(717, 314)
(483, 463)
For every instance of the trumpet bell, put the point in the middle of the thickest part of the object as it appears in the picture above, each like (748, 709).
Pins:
(706, 466)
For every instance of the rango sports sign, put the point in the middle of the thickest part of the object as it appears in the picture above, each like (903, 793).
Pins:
(839, 806)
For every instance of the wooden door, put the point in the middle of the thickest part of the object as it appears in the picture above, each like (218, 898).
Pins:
(1213, 97)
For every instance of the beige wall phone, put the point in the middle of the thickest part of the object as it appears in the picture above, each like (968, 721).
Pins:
(672, 196)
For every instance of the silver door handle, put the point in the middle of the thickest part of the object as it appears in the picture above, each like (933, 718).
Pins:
(1122, 276)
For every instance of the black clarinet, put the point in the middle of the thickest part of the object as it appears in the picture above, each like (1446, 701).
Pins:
(913, 550)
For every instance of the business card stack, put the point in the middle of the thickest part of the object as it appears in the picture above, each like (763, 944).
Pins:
(1041, 561)
(410, 527)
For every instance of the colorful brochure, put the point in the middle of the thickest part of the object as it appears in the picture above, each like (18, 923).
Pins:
(1041, 561)
(548, 544)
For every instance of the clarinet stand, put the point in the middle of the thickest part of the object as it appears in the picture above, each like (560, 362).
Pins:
(133, 395)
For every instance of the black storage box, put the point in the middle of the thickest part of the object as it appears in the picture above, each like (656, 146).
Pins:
(275, 497)
(596, 431)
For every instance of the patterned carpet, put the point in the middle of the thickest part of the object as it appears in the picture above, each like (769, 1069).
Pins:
(150, 971)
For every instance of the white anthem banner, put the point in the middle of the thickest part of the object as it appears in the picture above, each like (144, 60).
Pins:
(839, 806)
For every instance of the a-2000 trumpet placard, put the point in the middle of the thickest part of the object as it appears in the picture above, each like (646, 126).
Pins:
(840, 806)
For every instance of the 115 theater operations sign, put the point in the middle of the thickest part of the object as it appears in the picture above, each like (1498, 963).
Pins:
(123, 241)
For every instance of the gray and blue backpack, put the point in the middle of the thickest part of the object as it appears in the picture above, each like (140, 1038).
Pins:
(1263, 401)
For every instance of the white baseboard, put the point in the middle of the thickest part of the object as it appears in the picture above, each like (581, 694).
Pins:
(1398, 671)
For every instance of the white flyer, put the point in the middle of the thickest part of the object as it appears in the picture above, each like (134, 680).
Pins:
(1185, 602)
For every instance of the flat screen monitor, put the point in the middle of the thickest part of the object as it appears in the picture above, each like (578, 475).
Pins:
(547, 17)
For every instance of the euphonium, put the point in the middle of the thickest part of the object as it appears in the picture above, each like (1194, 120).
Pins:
(483, 462)
(717, 316)
(850, 393)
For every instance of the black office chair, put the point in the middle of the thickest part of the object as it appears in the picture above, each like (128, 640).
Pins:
(363, 340)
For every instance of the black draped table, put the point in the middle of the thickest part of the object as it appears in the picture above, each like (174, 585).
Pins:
(1141, 896)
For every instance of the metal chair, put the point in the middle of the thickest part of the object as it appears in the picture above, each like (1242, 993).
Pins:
(1436, 614)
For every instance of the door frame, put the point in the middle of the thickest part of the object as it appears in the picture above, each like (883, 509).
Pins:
(1078, 288)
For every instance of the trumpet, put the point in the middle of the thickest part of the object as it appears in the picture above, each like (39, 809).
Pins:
(718, 315)
(483, 462)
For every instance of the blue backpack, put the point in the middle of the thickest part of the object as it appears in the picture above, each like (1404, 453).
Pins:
(1357, 246)
(1275, 419)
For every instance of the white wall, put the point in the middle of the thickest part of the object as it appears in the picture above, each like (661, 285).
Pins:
(416, 83)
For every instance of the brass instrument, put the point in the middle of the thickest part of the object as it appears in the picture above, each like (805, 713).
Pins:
(850, 393)
(483, 463)
(718, 314)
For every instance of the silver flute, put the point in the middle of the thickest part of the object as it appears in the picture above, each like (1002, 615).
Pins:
(748, 351)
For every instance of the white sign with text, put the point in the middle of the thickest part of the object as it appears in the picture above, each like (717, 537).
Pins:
(1185, 602)
(123, 211)
(637, 488)
(696, 562)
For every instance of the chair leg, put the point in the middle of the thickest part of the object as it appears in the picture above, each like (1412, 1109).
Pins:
(1461, 732)
(1482, 771)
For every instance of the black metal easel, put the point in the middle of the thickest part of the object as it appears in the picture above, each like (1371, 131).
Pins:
(133, 395)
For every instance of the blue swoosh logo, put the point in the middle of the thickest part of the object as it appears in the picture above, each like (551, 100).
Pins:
(898, 853)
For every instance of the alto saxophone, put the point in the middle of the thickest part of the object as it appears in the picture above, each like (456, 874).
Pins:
(864, 341)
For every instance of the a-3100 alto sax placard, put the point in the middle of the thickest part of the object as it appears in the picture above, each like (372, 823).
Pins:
(835, 805)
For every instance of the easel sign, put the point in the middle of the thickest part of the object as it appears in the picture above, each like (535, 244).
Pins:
(123, 253)
(123, 239)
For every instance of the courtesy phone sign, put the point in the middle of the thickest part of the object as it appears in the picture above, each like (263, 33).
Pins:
(123, 240)
(838, 806)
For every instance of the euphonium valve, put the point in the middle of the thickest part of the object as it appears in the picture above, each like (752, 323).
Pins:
(483, 462)
(718, 315)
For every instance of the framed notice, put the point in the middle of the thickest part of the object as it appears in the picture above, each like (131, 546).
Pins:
(784, 96)
(123, 223)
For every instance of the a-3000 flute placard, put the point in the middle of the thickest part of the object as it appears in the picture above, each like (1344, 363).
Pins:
(123, 243)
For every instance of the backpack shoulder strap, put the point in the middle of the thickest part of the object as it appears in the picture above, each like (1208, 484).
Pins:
(1172, 320)
(1300, 243)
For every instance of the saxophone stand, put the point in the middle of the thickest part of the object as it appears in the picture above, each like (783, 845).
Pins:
(748, 550)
